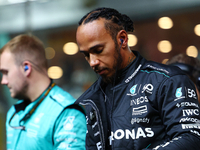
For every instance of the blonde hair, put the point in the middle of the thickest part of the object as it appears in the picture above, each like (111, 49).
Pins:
(27, 47)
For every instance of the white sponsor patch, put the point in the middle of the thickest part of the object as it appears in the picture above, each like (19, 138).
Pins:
(140, 120)
(190, 112)
(147, 88)
(139, 100)
(132, 134)
(190, 126)
(68, 124)
(140, 110)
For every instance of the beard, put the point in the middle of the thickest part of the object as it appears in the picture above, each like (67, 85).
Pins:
(116, 66)
(20, 95)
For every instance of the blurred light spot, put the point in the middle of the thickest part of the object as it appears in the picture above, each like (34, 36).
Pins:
(165, 23)
(55, 72)
(70, 48)
(132, 40)
(164, 46)
(50, 53)
(16, 1)
(192, 51)
(197, 30)
(164, 61)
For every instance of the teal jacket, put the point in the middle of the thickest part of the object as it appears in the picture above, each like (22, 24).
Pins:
(55, 124)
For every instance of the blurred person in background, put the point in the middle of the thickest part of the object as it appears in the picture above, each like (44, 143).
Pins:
(44, 117)
(135, 103)
(189, 65)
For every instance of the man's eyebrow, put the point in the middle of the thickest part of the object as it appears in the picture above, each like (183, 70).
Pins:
(91, 48)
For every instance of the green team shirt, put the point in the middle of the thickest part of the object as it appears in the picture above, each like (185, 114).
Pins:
(53, 125)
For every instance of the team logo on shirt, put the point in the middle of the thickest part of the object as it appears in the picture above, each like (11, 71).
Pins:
(179, 92)
(133, 90)
(185, 92)
(68, 124)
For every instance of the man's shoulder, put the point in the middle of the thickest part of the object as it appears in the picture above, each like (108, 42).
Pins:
(90, 91)
(61, 97)
(166, 70)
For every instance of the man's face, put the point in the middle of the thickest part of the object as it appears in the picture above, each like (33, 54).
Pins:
(99, 48)
(12, 75)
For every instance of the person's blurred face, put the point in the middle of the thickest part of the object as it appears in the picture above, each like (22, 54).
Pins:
(12, 75)
(99, 48)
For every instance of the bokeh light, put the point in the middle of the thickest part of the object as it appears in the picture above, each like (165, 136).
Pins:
(70, 48)
(164, 46)
(192, 51)
(132, 40)
(197, 30)
(165, 23)
(55, 72)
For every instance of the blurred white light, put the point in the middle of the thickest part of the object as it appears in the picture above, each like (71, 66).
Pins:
(192, 51)
(164, 46)
(70, 48)
(197, 30)
(16, 1)
(50, 52)
(132, 40)
(55, 72)
(165, 23)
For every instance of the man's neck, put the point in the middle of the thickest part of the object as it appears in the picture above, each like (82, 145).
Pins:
(38, 87)
(130, 59)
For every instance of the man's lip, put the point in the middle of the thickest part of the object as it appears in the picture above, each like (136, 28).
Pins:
(100, 72)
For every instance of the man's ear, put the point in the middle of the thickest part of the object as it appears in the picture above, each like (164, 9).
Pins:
(122, 38)
(27, 68)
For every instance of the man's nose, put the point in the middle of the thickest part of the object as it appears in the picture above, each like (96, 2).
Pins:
(4, 81)
(94, 61)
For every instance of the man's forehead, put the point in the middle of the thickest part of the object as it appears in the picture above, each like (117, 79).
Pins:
(6, 58)
(91, 31)
(6, 54)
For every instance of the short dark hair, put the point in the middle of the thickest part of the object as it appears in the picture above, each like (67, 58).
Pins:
(27, 47)
(115, 20)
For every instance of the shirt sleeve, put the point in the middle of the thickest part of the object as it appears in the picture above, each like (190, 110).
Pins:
(179, 110)
(70, 130)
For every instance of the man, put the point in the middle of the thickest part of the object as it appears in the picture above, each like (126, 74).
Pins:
(190, 65)
(135, 104)
(45, 117)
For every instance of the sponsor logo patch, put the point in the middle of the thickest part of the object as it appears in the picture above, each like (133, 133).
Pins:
(147, 88)
(68, 124)
(139, 110)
